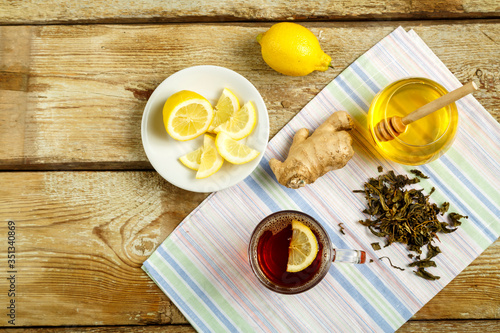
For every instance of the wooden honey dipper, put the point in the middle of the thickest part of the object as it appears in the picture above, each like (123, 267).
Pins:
(398, 125)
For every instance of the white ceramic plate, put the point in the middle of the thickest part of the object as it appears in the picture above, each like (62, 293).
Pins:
(163, 152)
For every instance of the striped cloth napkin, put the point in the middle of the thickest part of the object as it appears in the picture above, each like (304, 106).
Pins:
(203, 265)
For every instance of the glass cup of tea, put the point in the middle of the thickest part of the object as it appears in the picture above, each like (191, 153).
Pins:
(424, 140)
(268, 253)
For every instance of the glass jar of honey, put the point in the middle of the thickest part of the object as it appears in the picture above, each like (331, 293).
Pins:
(424, 140)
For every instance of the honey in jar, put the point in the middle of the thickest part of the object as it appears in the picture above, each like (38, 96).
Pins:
(424, 140)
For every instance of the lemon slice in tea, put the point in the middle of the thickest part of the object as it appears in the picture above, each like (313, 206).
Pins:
(303, 248)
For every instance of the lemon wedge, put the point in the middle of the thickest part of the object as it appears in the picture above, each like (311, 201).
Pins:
(226, 107)
(241, 123)
(234, 151)
(187, 115)
(210, 160)
(303, 248)
(192, 160)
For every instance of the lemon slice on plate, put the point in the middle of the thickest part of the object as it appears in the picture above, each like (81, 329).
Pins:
(210, 160)
(192, 160)
(234, 151)
(187, 115)
(226, 107)
(241, 123)
(303, 248)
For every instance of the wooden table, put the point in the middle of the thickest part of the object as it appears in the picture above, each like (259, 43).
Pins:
(87, 205)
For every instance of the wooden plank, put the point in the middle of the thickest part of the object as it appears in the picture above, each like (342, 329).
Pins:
(88, 85)
(104, 329)
(80, 241)
(123, 11)
(438, 326)
(15, 45)
(81, 238)
(445, 326)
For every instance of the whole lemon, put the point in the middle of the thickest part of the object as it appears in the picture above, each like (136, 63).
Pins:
(292, 49)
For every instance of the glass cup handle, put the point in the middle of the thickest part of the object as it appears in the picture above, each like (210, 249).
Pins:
(349, 256)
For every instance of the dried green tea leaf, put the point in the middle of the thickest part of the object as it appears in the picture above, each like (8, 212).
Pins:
(366, 223)
(455, 218)
(390, 263)
(376, 233)
(380, 168)
(423, 263)
(341, 226)
(426, 275)
(432, 251)
(376, 246)
(444, 228)
(419, 173)
(444, 208)
(432, 191)
(402, 215)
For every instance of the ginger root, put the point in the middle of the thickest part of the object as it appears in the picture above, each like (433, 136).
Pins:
(310, 157)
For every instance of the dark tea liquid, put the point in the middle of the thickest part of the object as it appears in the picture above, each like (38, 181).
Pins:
(268, 253)
(272, 255)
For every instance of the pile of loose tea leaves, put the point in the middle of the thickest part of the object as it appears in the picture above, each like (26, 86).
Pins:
(402, 215)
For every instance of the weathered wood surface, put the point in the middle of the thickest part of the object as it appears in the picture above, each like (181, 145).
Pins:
(124, 11)
(462, 326)
(72, 97)
(81, 238)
